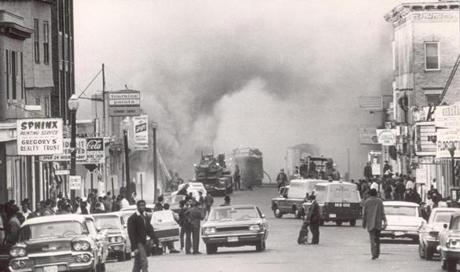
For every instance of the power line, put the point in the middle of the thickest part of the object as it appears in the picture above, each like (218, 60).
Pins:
(90, 83)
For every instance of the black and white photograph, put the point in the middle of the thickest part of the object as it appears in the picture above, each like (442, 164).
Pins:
(229, 136)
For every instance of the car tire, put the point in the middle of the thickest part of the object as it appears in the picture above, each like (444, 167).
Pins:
(421, 251)
(260, 246)
(277, 212)
(353, 222)
(211, 249)
(338, 223)
(451, 264)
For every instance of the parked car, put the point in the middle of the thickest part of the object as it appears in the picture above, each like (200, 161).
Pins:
(119, 246)
(191, 187)
(403, 220)
(449, 243)
(165, 226)
(234, 226)
(429, 233)
(57, 243)
(338, 202)
(292, 197)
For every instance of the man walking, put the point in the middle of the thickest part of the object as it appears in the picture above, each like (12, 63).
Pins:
(138, 229)
(194, 216)
(314, 220)
(374, 220)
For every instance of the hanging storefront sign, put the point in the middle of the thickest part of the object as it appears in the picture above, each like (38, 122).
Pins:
(124, 103)
(386, 137)
(141, 133)
(95, 151)
(368, 136)
(65, 156)
(425, 139)
(448, 116)
(445, 139)
(39, 136)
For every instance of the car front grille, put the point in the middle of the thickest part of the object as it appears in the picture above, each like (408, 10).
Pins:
(53, 259)
(233, 228)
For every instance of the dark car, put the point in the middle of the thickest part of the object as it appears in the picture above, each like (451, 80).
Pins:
(235, 226)
(119, 246)
(57, 243)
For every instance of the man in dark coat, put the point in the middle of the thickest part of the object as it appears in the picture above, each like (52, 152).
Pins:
(374, 220)
(281, 179)
(314, 219)
(138, 228)
(237, 178)
(193, 216)
(368, 171)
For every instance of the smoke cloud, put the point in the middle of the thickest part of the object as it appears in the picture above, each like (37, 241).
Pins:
(221, 74)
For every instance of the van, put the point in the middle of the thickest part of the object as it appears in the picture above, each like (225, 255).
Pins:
(338, 201)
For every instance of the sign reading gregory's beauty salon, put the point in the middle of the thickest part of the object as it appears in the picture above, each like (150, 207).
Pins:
(39, 136)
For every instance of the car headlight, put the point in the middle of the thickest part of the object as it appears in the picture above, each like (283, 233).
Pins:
(453, 243)
(209, 230)
(81, 246)
(255, 227)
(18, 252)
(119, 239)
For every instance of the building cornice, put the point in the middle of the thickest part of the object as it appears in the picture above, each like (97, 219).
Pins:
(12, 26)
(400, 12)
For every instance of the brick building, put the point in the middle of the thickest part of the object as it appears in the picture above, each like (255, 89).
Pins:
(426, 45)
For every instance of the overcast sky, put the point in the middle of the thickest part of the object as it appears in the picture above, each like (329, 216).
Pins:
(259, 73)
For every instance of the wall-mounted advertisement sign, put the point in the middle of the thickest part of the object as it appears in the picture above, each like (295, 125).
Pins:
(445, 139)
(141, 132)
(65, 156)
(387, 136)
(95, 151)
(39, 136)
(425, 139)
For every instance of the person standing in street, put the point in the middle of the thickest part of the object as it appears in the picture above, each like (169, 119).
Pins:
(194, 216)
(159, 204)
(374, 220)
(314, 220)
(368, 171)
(138, 229)
(237, 178)
(208, 202)
(281, 179)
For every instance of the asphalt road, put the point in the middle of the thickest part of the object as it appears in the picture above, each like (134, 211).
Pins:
(342, 248)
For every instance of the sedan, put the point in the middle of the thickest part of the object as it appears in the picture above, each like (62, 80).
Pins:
(119, 246)
(429, 234)
(235, 226)
(403, 220)
(449, 243)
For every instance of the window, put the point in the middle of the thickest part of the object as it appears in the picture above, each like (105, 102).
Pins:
(23, 95)
(46, 43)
(433, 96)
(7, 69)
(14, 72)
(36, 41)
(432, 58)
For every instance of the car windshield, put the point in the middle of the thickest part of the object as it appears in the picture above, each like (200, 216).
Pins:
(401, 210)
(107, 222)
(442, 217)
(233, 214)
(51, 229)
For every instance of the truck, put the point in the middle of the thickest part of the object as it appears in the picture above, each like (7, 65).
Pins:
(250, 163)
(292, 197)
(214, 175)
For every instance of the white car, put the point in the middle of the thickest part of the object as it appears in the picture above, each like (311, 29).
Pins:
(403, 220)
(190, 187)
(429, 234)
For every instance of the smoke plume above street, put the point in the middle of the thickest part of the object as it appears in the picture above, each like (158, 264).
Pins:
(224, 74)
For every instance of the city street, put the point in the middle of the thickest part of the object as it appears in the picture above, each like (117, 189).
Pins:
(342, 248)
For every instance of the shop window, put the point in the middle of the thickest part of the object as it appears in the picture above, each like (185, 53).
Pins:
(36, 41)
(432, 56)
(46, 43)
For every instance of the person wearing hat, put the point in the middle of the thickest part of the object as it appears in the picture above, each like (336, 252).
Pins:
(374, 220)
(193, 216)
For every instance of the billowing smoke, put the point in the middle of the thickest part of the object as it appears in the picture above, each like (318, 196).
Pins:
(221, 74)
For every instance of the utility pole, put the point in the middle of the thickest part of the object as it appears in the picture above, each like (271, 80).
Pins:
(348, 162)
(128, 187)
(155, 182)
(103, 101)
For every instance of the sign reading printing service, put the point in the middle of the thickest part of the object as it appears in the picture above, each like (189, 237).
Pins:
(445, 138)
(95, 152)
(386, 136)
(39, 136)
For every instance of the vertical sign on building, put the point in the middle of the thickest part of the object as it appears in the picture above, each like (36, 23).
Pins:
(141, 133)
(39, 136)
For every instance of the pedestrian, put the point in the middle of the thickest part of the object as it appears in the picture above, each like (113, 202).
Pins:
(237, 178)
(138, 229)
(181, 222)
(12, 224)
(302, 239)
(208, 202)
(159, 204)
(124, 203)
(227, 201)
(170, 244)
(368, 171)
(200, 199)
(194, 216)
(314, 219)
(281, 179)
(374, 220)
(399, 190)
(25, 208)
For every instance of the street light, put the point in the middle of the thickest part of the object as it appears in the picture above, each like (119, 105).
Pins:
(126, 149)
(73, 104)
(452, 149)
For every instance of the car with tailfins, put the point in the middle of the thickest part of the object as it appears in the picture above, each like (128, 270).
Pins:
(429, 233)
(235, 226)
(57, 243)
(119, 246)
(449, 243)
(404, 220)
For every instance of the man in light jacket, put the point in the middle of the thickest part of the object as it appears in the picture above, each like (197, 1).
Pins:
(374, 220)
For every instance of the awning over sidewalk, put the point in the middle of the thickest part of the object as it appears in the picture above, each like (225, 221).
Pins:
(7, 132)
